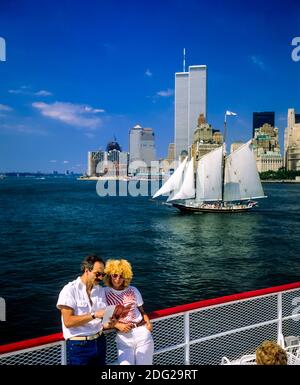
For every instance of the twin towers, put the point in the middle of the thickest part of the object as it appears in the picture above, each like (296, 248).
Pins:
(190, 101)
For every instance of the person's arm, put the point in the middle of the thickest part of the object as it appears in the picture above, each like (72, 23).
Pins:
(149, 325)
(71, 320)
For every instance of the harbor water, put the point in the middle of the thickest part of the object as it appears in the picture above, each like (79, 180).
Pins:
(48, 225)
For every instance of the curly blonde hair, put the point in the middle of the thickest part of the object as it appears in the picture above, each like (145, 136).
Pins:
(270, 353)
(118, 266)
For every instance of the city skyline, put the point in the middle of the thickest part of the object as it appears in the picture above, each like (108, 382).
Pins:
(72, 80)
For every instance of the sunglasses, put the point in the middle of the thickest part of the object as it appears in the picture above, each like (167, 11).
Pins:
(115, 276)
(100, 275)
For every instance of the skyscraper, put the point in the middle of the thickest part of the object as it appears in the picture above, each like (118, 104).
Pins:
(205, 138)
(94, 158)
(266, 148)
(171, 152)
(261, 118)
(292, 141)
(190, 101)
(135, 143)
(148, 146)
(141, 146)
(181, 112)
(112, 162)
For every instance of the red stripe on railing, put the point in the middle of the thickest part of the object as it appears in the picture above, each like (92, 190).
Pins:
(220, 300)
(15, 346)
(31, 343)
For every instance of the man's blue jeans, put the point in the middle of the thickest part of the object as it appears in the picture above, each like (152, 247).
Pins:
(86, 352)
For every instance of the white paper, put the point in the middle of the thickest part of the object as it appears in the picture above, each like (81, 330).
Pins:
(109, 311)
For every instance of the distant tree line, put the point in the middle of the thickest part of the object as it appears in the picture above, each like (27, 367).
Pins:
(282, 173)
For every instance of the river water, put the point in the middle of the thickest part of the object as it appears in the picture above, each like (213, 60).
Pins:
(48, 226)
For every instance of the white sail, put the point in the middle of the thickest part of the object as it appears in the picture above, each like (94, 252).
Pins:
(187, 189)
(178, 187)
(209, 176)
(241, 176)
(174, 182)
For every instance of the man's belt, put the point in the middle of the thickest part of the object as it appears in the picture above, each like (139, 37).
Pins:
(86, 338)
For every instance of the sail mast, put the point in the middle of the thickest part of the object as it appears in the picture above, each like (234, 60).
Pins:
(223, 161)
(224, 153)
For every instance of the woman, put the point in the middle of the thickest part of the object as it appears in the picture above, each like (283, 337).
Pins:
(134, 340)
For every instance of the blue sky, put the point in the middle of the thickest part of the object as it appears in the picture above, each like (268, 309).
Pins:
(78, 73)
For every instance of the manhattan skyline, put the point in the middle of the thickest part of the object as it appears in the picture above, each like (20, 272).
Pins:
(78, 74)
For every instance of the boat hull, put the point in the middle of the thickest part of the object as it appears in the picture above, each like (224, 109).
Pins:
(223, 210)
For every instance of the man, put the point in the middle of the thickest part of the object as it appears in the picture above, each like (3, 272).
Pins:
(82, 304)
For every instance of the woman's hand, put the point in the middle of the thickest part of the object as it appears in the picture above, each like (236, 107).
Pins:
(149, 326)
(125, 328)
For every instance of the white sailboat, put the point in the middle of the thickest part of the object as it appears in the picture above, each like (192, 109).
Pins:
(220, 183)
(174, 182)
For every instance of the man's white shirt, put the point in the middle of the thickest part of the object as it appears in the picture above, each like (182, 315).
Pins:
(74, 295)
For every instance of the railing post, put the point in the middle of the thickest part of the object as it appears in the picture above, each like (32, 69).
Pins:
(64, 353)
(187, 337)
(280, 340)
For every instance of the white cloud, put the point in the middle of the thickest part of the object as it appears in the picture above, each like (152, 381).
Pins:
(3, 107)
(21, 90)
(165, 94)
(25, 90)
(78, 115)
(258, 62)
(66, 161)
(43, 93)
(148, 73)
(90, 109)
(53, 161)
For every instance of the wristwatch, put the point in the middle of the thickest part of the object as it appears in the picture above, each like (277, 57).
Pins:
(93, 315)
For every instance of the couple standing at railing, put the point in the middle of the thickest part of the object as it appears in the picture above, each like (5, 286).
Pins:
(82, 303)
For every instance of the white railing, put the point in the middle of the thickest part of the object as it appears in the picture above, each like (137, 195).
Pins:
(198, 333)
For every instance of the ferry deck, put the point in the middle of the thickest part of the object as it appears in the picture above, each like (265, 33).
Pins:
(224, 330)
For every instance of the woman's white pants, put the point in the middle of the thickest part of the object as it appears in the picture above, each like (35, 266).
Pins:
(135, 347)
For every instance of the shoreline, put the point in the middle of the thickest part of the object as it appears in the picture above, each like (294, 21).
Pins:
(101, 178)
(122, 179)
(126, 179)
(280, 181)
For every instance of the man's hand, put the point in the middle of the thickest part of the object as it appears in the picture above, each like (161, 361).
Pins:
(99, 313)
(110, 325)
